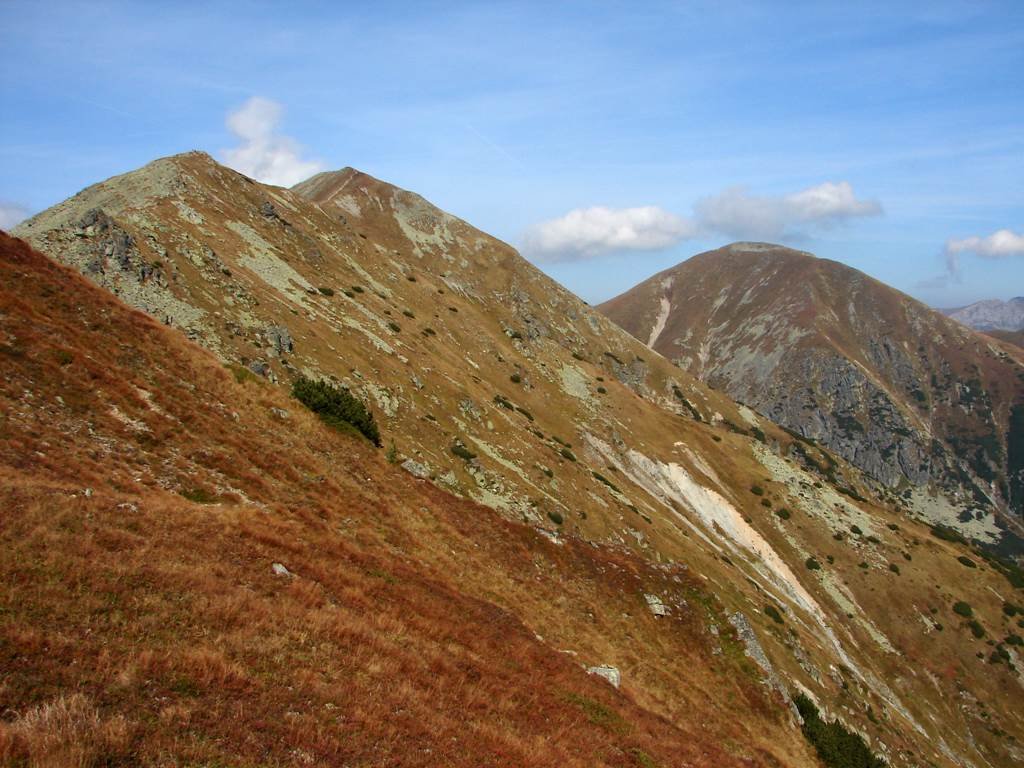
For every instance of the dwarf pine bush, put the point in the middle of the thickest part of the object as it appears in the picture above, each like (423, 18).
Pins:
(336, 407)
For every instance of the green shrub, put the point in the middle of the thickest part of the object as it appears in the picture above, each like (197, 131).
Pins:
(757, 490)
(241, 373)
(836, 746)
(773, 613)
(357, 289)
(965, 560)
(783, 513)
(567, 454)
(336, 407)
(946, 533)
(395, 327)
(960, 608)
(504, 402)
(1011, 610)
(326, 291)
(526, 413)
(602, 391)
(463, 452)
(408, 313)
(1014, 639)
(515, 378)
(556, 518)
(601, 478)
(976, 629)
(894, 568)
(856, 531)
(199, 496)
(812, 564)
(63, 357)
(766, 503)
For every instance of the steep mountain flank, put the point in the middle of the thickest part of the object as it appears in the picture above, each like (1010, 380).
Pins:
(493, 383)
(991, 315)
(914, 399)
(197, 571)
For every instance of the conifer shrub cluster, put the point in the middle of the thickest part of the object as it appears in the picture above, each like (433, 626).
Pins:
(336, 407)
(836, 746)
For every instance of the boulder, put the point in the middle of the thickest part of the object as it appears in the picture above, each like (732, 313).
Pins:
(608, 672)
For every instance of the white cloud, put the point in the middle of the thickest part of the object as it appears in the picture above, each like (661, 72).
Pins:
(1001, 244)
(263, 153)
(11, 214)
(998, 245)
(737, 213)
(587, 232)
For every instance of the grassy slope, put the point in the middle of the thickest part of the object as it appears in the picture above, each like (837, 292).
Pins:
(137, 626)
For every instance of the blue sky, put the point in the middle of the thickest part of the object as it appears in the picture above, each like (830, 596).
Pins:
(888, 136)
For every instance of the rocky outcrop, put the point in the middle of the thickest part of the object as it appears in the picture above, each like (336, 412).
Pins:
(915, 400)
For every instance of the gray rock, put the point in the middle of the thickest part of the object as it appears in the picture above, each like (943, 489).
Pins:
(415, 469)
(658, 608)
(608, 672)
(279, 339)
(260, 367)
(280, 570)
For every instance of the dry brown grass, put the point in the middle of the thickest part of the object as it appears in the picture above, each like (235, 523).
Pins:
(66, 732)
(408, 635)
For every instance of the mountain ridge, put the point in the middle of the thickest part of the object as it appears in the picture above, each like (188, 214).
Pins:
(494, 383)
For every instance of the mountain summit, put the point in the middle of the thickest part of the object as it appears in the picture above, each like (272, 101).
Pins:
(781, 566)
(917, 401)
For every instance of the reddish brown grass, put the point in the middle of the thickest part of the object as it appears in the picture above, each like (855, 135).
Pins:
(141, 628)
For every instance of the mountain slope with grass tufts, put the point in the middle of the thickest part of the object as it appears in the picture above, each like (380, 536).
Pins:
(926, 407)
(551, 433)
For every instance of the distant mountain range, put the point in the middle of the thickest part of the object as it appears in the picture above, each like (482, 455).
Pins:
(915, 400)
(991, 315)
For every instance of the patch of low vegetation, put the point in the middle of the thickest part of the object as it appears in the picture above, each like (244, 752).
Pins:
(812, 564)
(976, 629)
(773, 613)
(856, 531)
(241, 373)
(463, 452)
(782, 513)
(960, 608)
(967, 562)
(946, 533)
(567, 454)
(599, 714)
(836, 746)
(336, 407)
(504, 402)
(199, 496)
(757, 490)
(602, 479)
(63, 357)
(325, 291)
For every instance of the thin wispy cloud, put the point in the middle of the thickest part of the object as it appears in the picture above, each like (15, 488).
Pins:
(263, 152)
(584, 233)
(737, 213)
(11, 214)
(587, 232)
